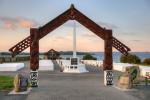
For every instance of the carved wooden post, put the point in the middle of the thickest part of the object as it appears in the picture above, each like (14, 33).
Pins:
(34, 57)
(108, 61)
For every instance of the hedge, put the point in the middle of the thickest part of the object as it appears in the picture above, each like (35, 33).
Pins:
(130, 58)
(146, 61)
(89, 57)
(16, 59)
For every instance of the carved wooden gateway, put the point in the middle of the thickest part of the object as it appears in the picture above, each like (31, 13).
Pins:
(72, 13)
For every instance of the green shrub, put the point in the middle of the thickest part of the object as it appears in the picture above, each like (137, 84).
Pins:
(123, 59)
(130, 58)
(146, 61)
(89, 57)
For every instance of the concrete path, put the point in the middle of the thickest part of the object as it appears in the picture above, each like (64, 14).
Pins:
(63, 86)
(87, 86)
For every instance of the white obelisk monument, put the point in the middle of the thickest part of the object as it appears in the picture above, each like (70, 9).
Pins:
(74, 59)
(74, 40)
(75, 66)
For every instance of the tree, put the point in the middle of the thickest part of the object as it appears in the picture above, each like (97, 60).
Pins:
(130, 58)
(146, 61)
(89, 57)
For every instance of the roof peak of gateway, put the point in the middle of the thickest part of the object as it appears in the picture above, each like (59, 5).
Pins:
(72, 6)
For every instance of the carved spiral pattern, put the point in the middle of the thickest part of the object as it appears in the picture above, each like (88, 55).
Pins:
(34, 50)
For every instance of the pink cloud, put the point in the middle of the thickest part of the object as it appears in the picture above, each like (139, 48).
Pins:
(25, 23)
(14, 23)
(8, 24)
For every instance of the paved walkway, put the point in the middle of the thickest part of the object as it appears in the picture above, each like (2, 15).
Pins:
(75, 87)
(63, 86)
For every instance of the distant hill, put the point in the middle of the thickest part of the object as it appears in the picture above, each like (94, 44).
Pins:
(42, 53)
(71, 53)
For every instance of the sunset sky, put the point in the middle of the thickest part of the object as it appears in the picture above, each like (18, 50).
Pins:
(129, 20)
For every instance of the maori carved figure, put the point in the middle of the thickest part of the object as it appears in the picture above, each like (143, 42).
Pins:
(107, 66)
(108, 50)
(34, 50)
(34, 78)
(34, 57)
(108, 77)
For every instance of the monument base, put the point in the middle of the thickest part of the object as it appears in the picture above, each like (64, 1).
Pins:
(80, 68)
(13, 92)
(34, 78)
(108, 77)
(124, 82)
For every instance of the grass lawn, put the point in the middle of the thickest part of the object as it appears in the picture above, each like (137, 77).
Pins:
(6, 82)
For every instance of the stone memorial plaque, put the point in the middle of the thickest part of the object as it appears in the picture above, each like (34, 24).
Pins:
(74, 61)
(20, 83)
(23, 83)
